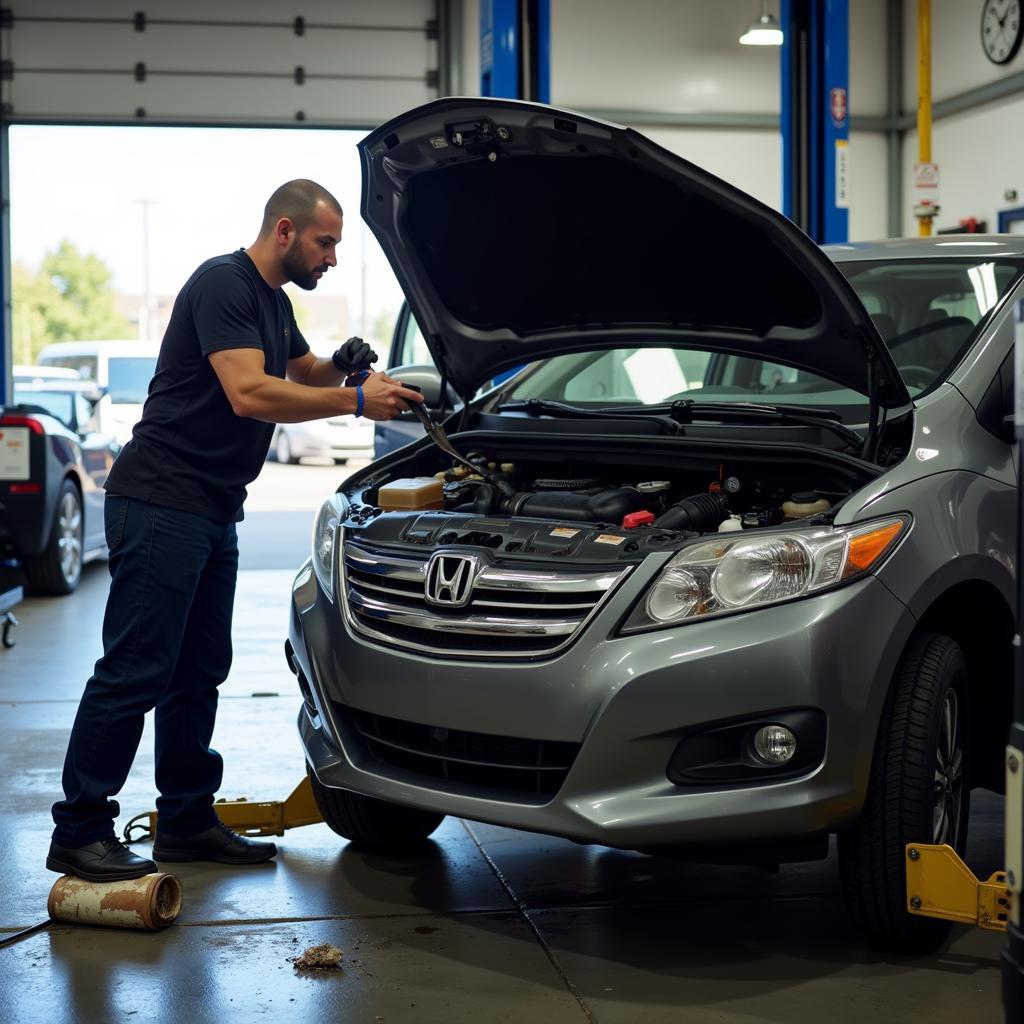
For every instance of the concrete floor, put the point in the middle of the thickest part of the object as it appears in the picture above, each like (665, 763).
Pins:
(488, 925)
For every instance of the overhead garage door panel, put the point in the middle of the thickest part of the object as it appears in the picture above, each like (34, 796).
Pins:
(354, 63)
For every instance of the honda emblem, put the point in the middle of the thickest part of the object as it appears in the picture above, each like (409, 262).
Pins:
(449, 580)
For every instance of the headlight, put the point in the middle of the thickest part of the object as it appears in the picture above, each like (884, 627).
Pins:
(325, 537)
(734, 572)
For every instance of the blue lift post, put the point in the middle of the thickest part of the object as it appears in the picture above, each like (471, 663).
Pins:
(515, 59)
(816, 117)
(515, 49)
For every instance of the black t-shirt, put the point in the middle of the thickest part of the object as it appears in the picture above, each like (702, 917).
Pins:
(190, 451)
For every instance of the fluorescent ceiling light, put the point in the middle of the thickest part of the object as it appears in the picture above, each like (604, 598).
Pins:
(763, 32)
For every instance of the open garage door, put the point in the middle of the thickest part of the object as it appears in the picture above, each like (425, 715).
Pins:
(338, 63)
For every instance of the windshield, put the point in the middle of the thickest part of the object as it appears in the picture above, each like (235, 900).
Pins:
(928, 312)
(128, 378)
(59, 404)
(84, 366)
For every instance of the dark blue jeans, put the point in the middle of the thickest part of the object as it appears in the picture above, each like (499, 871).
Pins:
(166, 645)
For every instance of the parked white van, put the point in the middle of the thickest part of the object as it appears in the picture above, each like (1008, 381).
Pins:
(122, 370)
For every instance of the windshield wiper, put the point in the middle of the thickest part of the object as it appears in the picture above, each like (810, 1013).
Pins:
(685, 411)
(539, 407)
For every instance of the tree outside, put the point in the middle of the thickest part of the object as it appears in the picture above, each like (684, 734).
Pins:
(69, 298)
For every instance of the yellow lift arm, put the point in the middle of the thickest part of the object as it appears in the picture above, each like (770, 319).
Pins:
(940, 884)
(253, 817)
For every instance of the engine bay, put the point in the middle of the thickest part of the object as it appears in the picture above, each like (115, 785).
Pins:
(522, 498)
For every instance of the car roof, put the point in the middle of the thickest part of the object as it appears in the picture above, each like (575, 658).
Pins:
(109, 348)
(944, 246)
(52, 372)
(67, 386)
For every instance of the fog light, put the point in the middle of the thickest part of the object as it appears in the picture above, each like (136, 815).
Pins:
(775, 744)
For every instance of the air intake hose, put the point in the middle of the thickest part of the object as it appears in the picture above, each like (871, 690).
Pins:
(607, 506)
(699, 512)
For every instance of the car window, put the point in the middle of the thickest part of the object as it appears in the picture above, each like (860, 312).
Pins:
(129, 377)
(928, 311)
(649, 376)
(85, 366)
(414, 346)
(57, 403)
(645, 374)
(83, 414)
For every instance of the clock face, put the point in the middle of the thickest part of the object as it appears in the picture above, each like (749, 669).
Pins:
(1001, 30)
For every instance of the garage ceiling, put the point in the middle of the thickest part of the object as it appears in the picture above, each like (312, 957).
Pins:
(337, 63)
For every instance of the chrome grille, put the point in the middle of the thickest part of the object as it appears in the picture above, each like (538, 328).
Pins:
(513, 611)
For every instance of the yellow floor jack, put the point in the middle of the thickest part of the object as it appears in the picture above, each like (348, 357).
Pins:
(250, 817)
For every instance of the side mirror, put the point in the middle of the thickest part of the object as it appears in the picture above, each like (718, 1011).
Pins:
(428, 380)
(1009, 429)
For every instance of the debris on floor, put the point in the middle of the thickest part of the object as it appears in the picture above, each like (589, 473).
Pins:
(323, 957)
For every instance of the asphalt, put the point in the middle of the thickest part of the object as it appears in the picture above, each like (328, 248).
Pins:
(487, 924)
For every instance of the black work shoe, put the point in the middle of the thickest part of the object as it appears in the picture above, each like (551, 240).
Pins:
(218, 844)
(104, 861)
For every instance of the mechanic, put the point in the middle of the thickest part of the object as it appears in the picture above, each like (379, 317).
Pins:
(232, 363)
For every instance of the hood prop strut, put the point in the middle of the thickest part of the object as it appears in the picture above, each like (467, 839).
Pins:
(871, 440)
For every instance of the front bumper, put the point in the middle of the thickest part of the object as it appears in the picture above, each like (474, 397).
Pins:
(626, 701)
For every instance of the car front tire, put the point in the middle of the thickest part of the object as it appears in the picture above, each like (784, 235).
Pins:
(919, 792)
(370, 824)
(58, 569)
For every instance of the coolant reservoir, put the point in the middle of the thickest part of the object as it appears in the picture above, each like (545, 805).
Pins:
(411, 494)
(804, 503)
(730, 525)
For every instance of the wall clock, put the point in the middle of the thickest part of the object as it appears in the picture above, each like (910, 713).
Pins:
(1001, 30)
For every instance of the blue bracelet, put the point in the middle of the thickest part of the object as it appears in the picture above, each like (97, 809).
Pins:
(359, 400)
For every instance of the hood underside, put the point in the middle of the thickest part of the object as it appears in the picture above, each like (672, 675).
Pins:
(518, 232)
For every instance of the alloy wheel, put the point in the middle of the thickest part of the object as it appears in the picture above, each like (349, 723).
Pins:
(949, 773)
(69, 537)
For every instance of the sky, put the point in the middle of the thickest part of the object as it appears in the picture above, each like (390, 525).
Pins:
(205, 187)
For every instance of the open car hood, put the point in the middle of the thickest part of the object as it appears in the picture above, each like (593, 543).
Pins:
(519, 231)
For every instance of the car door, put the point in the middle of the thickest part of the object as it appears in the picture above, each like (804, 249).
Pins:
(98, 453)
(408, 348)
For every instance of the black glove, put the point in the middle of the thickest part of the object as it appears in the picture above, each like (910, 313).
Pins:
(353, 356)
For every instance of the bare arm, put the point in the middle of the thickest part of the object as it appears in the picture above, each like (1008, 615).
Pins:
(254, 393)
(314, 372)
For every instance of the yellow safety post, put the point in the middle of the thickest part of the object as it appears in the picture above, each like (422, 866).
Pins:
(924, 213)
(940, 884)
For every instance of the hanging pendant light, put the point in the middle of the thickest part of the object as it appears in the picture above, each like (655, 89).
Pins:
(766, 31)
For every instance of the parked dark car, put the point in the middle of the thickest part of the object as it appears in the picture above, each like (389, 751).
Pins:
(52, 468)
(726, 570)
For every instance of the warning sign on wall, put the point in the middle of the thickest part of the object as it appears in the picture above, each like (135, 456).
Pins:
(842, 174)
(926, 188)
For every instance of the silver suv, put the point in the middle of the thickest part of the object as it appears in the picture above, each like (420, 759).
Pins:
(723, 569)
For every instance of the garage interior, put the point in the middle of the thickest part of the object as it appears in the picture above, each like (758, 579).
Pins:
(485, 923)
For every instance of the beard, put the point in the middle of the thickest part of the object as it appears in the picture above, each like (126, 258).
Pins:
(298, 273)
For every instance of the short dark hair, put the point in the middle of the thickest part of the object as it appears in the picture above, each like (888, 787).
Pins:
(297, 200)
